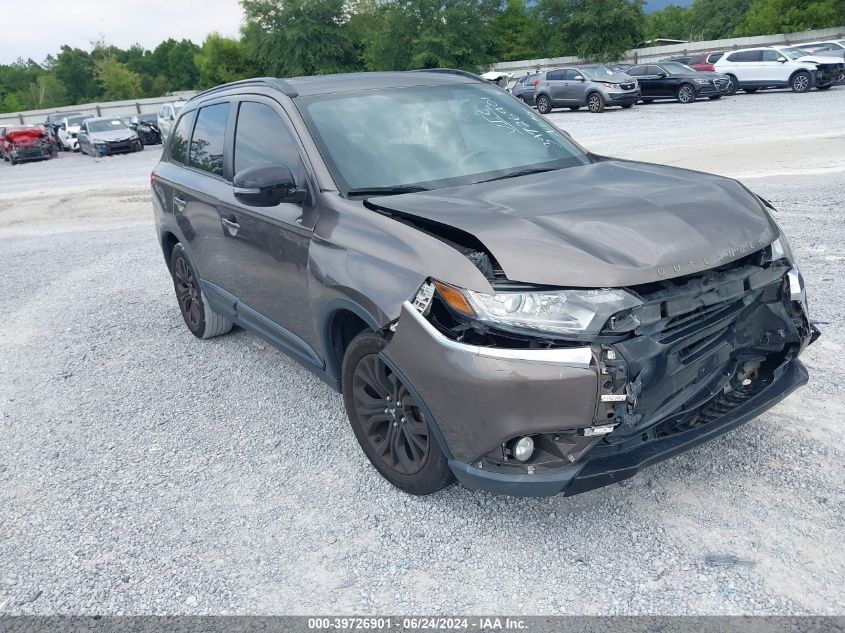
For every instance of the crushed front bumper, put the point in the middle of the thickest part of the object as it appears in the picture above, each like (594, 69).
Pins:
(719, 351)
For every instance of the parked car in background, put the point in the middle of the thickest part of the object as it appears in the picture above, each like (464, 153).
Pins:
(146, 126)
(167, 115)
(495, 303)
(673, 80)
(52, 123)
(19, 143)
(523, 89)
(753, 69)
(620, 67)
(699, 61)
(832, 48)
(68, 131)
(593, 86)
(103, 136)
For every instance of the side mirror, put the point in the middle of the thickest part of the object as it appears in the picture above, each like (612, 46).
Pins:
(266, 186)
(782, 60)
(580, 78)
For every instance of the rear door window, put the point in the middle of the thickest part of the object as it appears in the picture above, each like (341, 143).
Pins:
(555, 75)
(209, 138)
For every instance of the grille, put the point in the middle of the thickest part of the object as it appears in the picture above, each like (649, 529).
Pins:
(627, 86)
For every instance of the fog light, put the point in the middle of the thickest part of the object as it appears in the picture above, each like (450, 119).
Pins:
(524, 449)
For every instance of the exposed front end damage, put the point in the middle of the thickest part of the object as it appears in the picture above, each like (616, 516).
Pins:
(697, 356)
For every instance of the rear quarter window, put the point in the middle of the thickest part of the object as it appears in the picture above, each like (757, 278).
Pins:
(179, 139)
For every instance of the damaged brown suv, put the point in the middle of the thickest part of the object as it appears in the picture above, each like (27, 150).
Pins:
(496, 304)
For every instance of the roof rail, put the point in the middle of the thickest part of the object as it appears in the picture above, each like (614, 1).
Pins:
(450, 71)
(271, 82)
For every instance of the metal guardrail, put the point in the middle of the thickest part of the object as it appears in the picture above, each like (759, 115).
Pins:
(655, 53)
(111, 108)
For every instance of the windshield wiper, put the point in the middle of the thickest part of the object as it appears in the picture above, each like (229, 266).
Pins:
(386, 191)
(520, 172)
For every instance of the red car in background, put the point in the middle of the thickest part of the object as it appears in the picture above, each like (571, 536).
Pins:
(700, 61)
(25, 142)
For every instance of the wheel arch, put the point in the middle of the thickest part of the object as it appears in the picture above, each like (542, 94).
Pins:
(341, 320)
(168, 242)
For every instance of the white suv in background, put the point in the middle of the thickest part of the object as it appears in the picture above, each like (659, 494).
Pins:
(166, 116)
(753, 69)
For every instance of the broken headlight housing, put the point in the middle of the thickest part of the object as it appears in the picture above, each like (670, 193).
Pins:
(578, 313)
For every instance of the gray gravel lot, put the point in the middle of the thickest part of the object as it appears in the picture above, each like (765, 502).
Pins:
(144, 471)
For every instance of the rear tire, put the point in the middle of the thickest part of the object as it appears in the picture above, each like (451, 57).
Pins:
(733, 85)
(801, 81)
(595, 102)
(202, 321)
(388, 422)
(544, 104)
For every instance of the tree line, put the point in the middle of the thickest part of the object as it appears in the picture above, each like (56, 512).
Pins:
(286, 38)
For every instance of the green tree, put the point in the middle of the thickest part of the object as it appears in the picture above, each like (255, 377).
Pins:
(599, 30)
(672, 22)
(299, 37)
(435, 33)
(220, 60)
(174, 61)
(47, 92)
(515, 32)
(75, 69)
(117, 80)
(717, 19)
(789, 16)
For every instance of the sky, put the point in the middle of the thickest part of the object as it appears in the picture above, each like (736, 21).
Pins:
(44, 25)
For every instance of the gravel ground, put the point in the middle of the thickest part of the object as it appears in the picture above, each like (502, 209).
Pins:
(144, 471)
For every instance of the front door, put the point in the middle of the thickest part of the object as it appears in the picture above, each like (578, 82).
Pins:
(268, 268)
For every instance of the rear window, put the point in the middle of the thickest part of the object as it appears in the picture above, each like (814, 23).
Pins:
(179, 142)
(209, 138)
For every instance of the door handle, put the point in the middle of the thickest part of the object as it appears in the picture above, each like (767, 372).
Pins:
(178, 203)
(230, 226)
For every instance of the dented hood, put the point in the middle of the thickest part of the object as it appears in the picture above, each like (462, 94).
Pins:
(24, 137)
(609, 223)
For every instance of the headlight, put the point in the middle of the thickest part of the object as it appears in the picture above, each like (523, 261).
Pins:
(577, 312)
(779, 249)
(702, 82)
(607, 84)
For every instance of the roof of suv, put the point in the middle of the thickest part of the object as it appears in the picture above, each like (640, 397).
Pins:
(347, 82)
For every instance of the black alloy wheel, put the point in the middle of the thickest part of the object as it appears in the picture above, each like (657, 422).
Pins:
(391, 419)
(187, 291)
(388, 422)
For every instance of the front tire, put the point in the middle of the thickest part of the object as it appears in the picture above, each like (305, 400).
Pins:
(544, 104)
(686, 94)
(801, 81)
(388, 422)
(733, 85)
(595, 103)
(202, 321)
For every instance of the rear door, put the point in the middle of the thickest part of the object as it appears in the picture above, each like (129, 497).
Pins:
(556, 86)
(268, 268)
(648, 83)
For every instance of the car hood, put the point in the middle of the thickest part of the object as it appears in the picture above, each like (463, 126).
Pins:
(819, 59)
(113, 135)
(609, 223)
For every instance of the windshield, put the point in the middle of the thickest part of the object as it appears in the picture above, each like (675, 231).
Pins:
(794, 52)
(147, 118)
(432, 136)
(106, 125)
(677, 68)
(598, 73)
